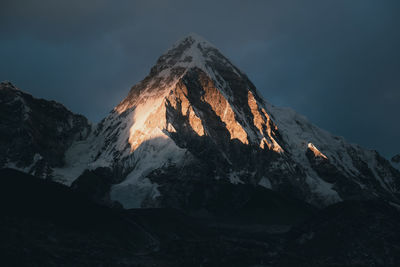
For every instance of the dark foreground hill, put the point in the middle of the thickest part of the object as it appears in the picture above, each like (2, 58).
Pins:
(43, 223)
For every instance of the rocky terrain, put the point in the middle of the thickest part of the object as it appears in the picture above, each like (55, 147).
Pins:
(36, 133)
(196, 118)
(43, 223)
(192, 168)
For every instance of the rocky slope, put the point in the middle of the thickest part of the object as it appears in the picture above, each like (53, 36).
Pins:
(349, 233)
(47, 224)
(196, 117)
(36, 133)
(196, 121)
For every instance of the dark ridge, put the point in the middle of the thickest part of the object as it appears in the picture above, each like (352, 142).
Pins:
(349, 233)
(43, 223)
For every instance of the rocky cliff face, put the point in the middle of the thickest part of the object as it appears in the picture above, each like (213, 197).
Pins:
(35, 133)
(196, 121)
(196, 117)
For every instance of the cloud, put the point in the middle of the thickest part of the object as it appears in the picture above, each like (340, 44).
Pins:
(337, 62)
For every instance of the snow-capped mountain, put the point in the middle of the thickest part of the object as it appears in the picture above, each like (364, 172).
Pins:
(35, 133)
(197, 117)
(196, 125)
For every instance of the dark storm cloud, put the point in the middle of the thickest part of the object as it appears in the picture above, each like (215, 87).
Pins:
(337, 62)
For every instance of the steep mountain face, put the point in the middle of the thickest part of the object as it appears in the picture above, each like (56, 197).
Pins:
(197, 118)
(195, 135)
(36, 133)
(192, 128)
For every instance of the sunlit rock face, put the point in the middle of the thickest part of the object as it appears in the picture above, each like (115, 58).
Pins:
(194, 106)
(36, 133)
(196, 117)
(196, 121)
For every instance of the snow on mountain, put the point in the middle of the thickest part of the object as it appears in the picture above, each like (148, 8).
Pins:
(196, 118)
(35, 133)
(196, 108)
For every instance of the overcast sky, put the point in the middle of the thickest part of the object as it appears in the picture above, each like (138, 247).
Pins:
(336, 62)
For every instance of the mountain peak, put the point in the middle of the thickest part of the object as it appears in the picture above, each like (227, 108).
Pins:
(195, 119)
(193, 39)
(189, 52)
(7, 85)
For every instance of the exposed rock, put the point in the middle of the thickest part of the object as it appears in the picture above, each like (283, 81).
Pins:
(197, 117)
(35, 133)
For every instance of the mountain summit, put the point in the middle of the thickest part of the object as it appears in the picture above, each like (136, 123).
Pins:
(196, 129)
(197, 117)
(195, 107)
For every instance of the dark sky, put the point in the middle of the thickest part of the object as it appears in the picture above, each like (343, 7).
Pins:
(336, 62)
